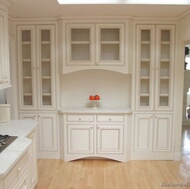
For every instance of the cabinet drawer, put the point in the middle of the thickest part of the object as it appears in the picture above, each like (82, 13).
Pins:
(80, 117)
(16, 172)
(110, 118)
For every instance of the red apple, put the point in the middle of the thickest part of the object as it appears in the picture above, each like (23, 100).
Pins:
(97, 97)
(91, 97)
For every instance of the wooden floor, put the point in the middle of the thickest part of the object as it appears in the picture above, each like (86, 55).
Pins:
(108, 174)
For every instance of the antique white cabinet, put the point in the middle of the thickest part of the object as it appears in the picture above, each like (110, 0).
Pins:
(95, 45)
(33, 160)
(94, 135)
(153, 136)
(36, 59)
(47, 133)
(154, 72)
(154, 67)
(4, 48)
(19, 176)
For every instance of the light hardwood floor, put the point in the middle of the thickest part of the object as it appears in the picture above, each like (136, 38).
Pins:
(108, 174)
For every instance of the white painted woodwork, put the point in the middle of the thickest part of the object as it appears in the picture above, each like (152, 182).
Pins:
(80, 138)
(33, 160)
(95, 45)
(154, 67)
(92, 138)
(19, 176)
(4, 49)
(153, 136)
(110, 138)
(36, 59)
(47, 134)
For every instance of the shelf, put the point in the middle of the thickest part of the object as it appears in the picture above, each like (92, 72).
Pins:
(144, 77)
(109, 42)
(46, 77)
(144, 95)
(46, 94)
(27, 77)
(164, 95)
(26, 60)
(26, 43)
(79, 42)
(145, 42)
(45, 42)
(27, 94)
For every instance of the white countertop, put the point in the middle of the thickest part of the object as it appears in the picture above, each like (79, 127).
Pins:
(10, 156)
(98, 110)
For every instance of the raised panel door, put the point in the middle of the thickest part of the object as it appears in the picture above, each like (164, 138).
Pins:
(80, 138)
(143, 132)
(47, 133)
(162, 133)
(110, 139)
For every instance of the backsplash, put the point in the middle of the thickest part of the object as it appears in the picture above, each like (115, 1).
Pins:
(114, 88)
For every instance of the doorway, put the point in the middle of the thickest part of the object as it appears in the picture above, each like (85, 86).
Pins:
(186, 102)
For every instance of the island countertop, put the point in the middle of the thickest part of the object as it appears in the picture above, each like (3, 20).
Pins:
(10, 156)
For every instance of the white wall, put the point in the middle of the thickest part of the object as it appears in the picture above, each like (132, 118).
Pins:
(114, 88)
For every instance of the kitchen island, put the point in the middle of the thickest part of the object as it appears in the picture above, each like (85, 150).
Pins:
(18, 162)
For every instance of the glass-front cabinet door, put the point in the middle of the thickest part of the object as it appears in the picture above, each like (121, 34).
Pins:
(154, 67)
(165, 62)
(26, 60)
(80, 44)
(36, 59)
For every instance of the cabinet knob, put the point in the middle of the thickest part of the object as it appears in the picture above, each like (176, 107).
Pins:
(18, 170)
(79, 119)
(109, 119)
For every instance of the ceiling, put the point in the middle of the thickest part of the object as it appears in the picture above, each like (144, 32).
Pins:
(51, 9)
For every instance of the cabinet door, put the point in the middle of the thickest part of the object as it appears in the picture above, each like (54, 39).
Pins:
(46, 66)
(162, 133)
(110, 139)
(143, 132)
(80, 44)
(4, 51)
(33, 160)
(164, 67)
(144, 68)
(47, 134)
(80, 138)
(110, 44)
(26, 60)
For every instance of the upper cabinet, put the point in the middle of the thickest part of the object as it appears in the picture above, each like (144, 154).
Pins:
(154, 67)
(4, 49)
(95, 46)
(36, 58)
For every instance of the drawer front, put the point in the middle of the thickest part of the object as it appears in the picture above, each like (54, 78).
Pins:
(17, 171)
(110, 118)
(80, 117)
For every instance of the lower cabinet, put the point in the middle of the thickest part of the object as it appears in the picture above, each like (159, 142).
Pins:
(33, 160)
(153, 135)
(47, 134)
(94, 136)
(19, 176)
